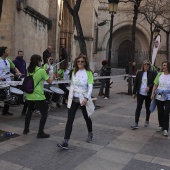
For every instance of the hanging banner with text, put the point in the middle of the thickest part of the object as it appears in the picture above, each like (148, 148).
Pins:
(155, 49)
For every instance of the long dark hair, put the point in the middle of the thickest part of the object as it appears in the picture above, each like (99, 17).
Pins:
(168, 65)
(2, 51)
(35, 59)
(86, 66)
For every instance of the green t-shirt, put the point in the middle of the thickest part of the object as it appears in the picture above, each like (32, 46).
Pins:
(156, 81)
(38, 93)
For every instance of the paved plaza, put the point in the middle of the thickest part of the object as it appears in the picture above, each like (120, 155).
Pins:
(115, 146)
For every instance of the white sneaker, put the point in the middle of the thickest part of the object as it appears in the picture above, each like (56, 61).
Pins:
(106, 98)
(165, 133)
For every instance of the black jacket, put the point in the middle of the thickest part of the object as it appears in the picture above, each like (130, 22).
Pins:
(150, 81)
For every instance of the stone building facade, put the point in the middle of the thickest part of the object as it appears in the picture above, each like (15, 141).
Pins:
(33, 25)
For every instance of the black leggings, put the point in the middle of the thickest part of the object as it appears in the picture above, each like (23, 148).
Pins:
(140, 99)
(42, 106)
(163, 113)
(71, 116)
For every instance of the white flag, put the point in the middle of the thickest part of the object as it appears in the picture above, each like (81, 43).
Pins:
(155, 49)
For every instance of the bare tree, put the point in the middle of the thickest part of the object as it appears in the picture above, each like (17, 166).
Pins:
(74, 12)
(155, 12)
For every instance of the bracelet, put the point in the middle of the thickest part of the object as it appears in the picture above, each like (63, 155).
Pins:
(86, 98)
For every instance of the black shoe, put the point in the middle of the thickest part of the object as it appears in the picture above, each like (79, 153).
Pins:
(58, 105)
(25, 132)
(89, 137)
(43, 135)
(63, 146)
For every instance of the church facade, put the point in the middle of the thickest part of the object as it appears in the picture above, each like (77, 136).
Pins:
(33, 25)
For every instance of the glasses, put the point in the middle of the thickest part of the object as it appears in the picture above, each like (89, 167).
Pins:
(147, 64)
(51, 59)
(5, 62)
(80, 61)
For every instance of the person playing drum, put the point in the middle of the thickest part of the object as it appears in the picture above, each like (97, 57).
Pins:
(79, 95)
(37, 97)
(5, 65)
(64, 74)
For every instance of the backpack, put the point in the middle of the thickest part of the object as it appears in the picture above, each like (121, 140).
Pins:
(28, 84)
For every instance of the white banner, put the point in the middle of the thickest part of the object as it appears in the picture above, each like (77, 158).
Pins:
(155, 49)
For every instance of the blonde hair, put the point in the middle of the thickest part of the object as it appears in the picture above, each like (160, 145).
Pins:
(144, 62)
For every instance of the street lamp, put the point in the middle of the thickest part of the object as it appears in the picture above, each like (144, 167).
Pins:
(156, 32)
(113, 6)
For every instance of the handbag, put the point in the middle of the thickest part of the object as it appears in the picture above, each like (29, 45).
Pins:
(152, 106)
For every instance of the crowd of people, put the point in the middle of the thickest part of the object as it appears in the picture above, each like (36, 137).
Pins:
(148, 85)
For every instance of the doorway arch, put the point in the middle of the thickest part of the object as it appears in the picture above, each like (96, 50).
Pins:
(124, 53)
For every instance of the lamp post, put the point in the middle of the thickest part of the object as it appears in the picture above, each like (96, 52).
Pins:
(156, 32)
(113, 5)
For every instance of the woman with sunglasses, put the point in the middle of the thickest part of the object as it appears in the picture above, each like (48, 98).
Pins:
(48, 66)
(142, 89)
(37, 97)
(79, 95)
(161, 92)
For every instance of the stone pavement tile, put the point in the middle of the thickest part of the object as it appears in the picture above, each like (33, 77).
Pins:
(157, 147)
(142, 157)
(141, 165)
(9, 166)
(134, 135)
(43, 154)
(112, 120)
(101, 136)
(165, 162)
(95, 163)
(114, 155)
(125, 145)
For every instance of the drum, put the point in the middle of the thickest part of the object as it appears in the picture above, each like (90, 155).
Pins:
(16, 97)
(49, 95)
(57, 90)
(4, 92)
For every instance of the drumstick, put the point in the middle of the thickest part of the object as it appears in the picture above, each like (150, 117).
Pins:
(58, 63)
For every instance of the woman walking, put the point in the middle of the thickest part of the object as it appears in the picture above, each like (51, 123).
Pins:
(143, 89)
(37, 97)
(161, 92)
(79, 95)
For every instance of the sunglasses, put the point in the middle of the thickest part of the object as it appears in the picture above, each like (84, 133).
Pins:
(147, 64)
(51, 59)
(80, 61)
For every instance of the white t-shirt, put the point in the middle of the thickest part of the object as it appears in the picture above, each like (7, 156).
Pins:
(5, 69)
(164, 84)
(80, 81)
(143, 86)
(51, 69)
(66, 74)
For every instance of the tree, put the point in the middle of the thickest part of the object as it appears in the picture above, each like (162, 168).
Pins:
(155, 12)
(74, 12)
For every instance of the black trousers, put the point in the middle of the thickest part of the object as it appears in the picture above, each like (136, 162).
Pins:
(140, 99)
(71, 116)
(163, 113)
(42, 106)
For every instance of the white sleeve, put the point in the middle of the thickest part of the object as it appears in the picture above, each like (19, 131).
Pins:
(90, 88)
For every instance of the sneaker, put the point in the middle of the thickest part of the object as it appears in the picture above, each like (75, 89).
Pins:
(165, 133)
(43, 135)
(146, 123)
(25, 132)
(135, 126)
(89, 137)
(63, 146)
(106, 98)
(160, 129)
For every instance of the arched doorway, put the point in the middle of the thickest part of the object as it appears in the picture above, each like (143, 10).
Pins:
(124, 53)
